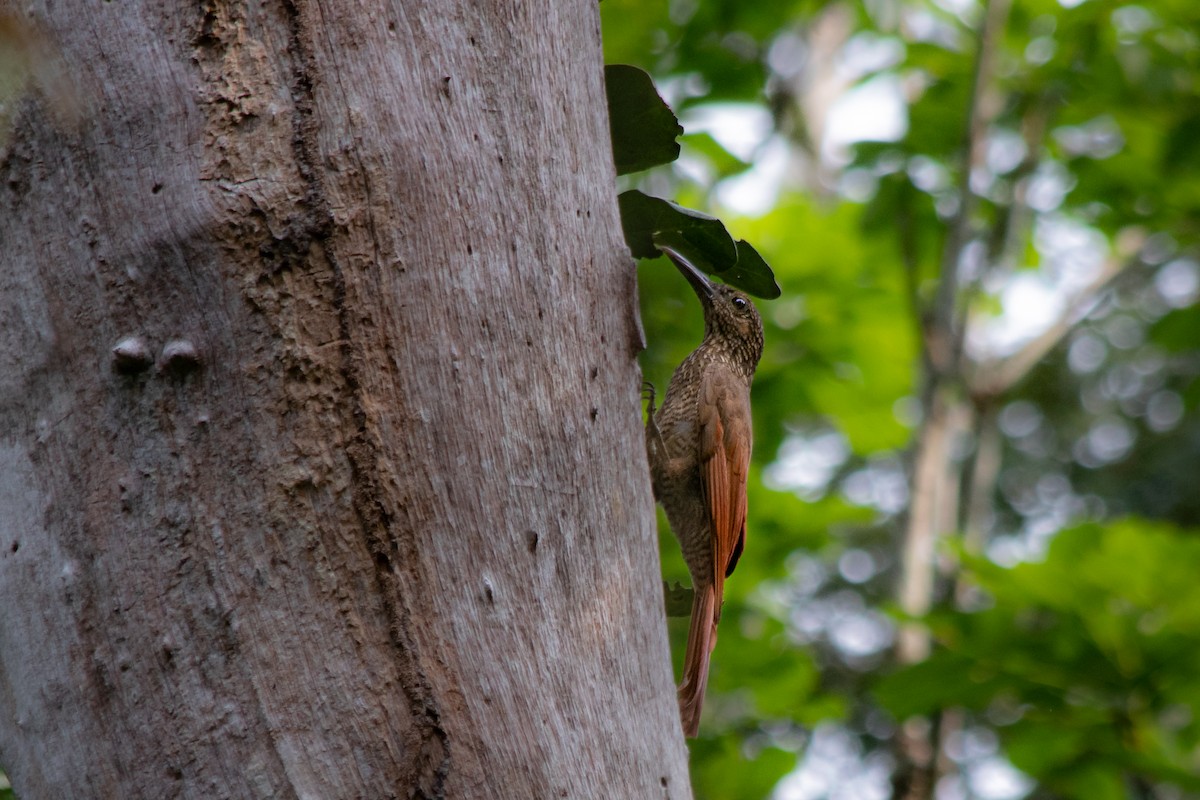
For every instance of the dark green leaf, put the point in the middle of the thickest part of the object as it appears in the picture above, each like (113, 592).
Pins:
(643, 126)
(748, 272)
(651, 223)
(644, 218)
(751, 274)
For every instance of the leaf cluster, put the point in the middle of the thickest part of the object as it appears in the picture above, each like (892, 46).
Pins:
(644, 130)
(1085, 662)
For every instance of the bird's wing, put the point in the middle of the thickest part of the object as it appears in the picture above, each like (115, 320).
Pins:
(725, 438)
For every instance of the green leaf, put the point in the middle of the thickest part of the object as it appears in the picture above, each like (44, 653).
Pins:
(698, 235)
(643, 126)
(651, 223)
(751, 273)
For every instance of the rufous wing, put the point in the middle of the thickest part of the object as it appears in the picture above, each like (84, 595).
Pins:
(725, 440)
(724, 463)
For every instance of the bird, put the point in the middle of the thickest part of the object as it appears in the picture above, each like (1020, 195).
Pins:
(698, 446)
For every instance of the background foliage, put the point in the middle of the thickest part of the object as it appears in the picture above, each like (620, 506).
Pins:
(1039, 205)
(1065, 658)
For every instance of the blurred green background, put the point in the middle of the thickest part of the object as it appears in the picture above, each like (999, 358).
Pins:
(993, 237)
(984, 217)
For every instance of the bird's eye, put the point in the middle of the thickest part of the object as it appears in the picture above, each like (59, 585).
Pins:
(740, 303)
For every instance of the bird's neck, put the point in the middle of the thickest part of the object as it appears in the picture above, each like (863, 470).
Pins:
(718, 349)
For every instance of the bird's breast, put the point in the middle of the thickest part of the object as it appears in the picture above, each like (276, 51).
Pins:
(681, 433)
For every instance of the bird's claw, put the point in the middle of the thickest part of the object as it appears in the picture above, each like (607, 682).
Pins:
(648, 394)
(653, 433)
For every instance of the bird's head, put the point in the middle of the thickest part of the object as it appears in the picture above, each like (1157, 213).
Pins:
(731, 321)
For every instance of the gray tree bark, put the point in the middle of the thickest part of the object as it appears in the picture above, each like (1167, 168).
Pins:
(360, 506)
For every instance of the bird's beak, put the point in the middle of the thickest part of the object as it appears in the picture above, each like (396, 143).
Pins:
(699, 281)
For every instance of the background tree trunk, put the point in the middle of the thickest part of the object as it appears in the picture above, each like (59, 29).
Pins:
(390, 533)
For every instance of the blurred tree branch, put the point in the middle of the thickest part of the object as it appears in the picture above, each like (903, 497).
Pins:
(993, 378)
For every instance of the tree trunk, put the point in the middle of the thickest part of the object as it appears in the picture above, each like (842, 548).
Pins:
(359, 507)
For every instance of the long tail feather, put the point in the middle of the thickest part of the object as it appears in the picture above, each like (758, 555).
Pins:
(702, 638)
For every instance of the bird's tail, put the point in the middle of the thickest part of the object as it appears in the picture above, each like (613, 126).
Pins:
(702, 638)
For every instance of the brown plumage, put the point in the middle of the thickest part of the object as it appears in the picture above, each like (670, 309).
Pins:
(699, 449)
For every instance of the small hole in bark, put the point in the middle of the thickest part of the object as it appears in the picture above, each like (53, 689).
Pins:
(531, 541)
(488, 595)
(156, 188)
(595, 372)
(595, 413)
(470, 251)
(16, 546)
(663, 781)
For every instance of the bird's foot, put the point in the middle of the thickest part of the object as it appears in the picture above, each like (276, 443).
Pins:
(678, 599)
(653, 434)
(648, 394)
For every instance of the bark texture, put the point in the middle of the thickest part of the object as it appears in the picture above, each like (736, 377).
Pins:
(389, 533)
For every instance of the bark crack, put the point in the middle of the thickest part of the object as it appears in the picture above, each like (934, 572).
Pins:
(377, 523)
